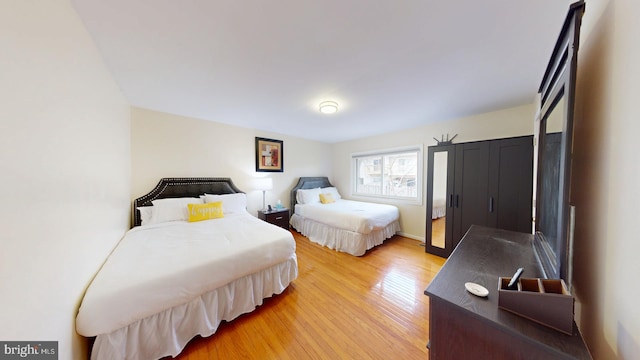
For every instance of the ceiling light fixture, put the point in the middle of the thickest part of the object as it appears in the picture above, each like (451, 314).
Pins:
(328, 107)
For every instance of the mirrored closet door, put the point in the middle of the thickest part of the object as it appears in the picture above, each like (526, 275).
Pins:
(440, 199)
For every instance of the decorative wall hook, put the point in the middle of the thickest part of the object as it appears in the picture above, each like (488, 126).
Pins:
(448, 141)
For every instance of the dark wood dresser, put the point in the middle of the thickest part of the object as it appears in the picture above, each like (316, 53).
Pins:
(278, 217)
(464, 326)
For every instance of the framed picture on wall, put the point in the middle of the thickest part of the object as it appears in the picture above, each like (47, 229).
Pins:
(269, 155)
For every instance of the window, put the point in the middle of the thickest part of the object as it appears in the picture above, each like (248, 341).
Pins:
(394, 173)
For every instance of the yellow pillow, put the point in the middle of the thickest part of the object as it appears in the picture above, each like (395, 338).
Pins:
(326, 198)
(199, 212)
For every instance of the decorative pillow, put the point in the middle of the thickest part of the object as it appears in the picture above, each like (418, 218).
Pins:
(199, 212)
(146, 212)
(308, 196)
(326, 198)
(172, 209)
(333, 191)
(231, 203)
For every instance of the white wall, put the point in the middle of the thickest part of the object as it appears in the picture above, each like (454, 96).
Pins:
(65, 160)
(69, 167)
(606, 178)
(167, 145)
(517, 121)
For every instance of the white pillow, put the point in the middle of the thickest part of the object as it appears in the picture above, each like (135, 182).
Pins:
(146, 212)
(308, 196)
(231, 203)
(333, 191)
(172, 209)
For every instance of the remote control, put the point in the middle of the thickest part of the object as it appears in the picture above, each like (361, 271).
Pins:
(513, 284)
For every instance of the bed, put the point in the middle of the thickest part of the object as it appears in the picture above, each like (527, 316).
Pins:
(439, 208)
(320, 214)
(170, 279)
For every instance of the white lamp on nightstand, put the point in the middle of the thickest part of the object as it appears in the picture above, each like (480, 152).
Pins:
(263, 184)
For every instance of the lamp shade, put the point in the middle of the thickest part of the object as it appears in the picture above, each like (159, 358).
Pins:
(263, 184)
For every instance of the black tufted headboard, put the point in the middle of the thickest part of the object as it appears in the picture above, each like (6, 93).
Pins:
(308, 183)
(183, 187)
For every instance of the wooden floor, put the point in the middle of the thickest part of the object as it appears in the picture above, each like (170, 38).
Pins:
(438, 228)
(340, 307)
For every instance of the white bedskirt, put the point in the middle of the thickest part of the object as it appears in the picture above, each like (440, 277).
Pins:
(167, 332)
(439, 208)
(342, 240)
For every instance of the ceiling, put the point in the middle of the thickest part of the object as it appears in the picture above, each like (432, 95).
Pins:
(390, 65)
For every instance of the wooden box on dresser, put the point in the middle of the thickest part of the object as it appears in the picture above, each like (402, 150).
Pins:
(465, 326)
(278, 217)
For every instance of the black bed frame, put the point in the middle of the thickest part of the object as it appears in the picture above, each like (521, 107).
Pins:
(307, 183)
(183, 187)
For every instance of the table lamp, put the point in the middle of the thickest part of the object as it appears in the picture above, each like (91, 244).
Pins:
(263, 184)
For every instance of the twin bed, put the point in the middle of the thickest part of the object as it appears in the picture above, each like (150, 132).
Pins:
(170, 279)
(320, 214)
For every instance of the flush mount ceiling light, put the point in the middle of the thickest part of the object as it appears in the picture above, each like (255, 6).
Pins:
(328, 107)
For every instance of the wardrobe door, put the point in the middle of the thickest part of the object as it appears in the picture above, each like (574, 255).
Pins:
(471, 187)
(440, 185)
(511, 184)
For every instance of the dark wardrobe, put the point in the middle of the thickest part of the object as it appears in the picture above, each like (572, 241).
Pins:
(485, 183)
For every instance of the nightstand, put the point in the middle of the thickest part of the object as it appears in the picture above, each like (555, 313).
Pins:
(278, 217)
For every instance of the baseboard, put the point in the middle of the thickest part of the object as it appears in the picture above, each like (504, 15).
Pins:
(411, 236)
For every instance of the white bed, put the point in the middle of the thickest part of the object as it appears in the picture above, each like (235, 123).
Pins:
(169, 281)
(439, 208)
(343, 225)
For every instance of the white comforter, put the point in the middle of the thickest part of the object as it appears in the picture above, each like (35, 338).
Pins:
(160, 266)
(357, 216)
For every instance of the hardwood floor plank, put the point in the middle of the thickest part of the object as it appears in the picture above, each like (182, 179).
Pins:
(340, 307)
